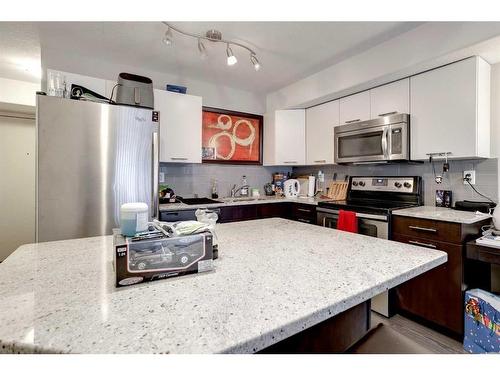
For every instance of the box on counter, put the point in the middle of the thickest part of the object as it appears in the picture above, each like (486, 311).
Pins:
(160, 258)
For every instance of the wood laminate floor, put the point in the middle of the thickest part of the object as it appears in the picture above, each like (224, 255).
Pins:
(434, 342)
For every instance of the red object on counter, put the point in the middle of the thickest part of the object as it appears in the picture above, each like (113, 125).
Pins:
(347, 221)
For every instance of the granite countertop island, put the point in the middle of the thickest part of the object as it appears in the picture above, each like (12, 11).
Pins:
(442, 214)
(273, 279)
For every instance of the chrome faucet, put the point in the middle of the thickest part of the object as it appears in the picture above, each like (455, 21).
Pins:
(234, 190)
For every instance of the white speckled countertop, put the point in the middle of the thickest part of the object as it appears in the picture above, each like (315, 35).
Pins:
(224, 202)
(273, 278)
(442, 214)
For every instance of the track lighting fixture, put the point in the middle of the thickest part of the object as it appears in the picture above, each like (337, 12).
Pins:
(255, 62)
(202, 49)
(167, 38)
(231, 59)
(213, 36)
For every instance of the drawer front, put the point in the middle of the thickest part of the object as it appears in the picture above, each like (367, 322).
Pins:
(304, 211)
(436, 295)
(238, 213)
(273, 210)
(305, 220)
(180, 215)
(427, 229)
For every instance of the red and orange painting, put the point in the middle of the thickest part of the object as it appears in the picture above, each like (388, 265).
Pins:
(231, 137)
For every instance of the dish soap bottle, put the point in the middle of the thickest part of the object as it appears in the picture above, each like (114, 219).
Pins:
(214, 190)
(244, 187)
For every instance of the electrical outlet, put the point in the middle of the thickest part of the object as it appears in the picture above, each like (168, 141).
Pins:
(472, 177)
(162, 177)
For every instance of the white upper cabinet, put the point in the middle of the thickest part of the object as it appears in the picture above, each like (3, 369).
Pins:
(320, 122)
(390, 99)
(355, 108)
(284, 137)
(450, 110)
(180, 126)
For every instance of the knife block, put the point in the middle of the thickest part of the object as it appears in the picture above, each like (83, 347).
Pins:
(337, 190)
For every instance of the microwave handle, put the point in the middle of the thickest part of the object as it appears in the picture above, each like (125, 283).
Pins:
(385, 144)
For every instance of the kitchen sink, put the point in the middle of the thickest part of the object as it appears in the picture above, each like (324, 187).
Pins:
(193, 201)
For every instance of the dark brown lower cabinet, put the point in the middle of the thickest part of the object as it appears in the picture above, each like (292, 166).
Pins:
(304, 213)
(228, 214)
(282, 210)
(437, 296)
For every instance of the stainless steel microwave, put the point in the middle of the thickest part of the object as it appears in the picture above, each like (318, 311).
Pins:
(386, 139)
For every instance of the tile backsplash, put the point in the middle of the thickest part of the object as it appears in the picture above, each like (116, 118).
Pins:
(486, 176)
(190, 179)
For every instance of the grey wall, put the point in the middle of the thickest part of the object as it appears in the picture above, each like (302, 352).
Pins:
(486, 176)
(190, 179)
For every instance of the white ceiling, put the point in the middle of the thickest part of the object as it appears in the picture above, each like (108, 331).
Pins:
(19, 51)
(288, 51)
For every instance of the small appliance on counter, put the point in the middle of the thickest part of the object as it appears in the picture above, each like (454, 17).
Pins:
(311, 187)
(268, 189)
(484, 207)
(134, 90)
(304, 185)
(291, 188)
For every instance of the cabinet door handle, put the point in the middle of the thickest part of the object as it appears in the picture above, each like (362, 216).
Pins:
(304, 210)
(290, 162)
(422, 244)
(320, 161)
(304, 220)
(422, 229)
(387, 113)
(350, 121)
(178, 158)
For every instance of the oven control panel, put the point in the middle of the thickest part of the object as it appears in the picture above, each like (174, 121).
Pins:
(392, 184)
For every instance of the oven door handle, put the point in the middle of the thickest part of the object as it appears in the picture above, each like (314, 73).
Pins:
(358, 214)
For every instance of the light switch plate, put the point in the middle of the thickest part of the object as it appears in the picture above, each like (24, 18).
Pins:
(472, 177)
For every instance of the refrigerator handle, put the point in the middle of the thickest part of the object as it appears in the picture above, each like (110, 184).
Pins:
(155, 197)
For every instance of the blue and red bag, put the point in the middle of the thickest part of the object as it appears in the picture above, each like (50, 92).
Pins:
(482, 322)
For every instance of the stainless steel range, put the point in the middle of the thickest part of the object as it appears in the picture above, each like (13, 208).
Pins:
(373, 199)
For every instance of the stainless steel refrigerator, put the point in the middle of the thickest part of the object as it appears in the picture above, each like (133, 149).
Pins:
(92, 158)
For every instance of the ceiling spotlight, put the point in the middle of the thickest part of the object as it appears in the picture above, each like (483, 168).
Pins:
(255, 62)
(167, 38)
(231, 59)
(202, 49)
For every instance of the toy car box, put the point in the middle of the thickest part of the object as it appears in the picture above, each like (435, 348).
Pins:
(160, 258)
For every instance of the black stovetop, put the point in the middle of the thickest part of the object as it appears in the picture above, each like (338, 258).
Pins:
(379, 195)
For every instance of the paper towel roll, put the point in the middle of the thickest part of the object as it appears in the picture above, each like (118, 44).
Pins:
(312, 186)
